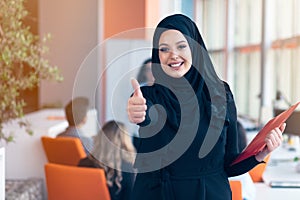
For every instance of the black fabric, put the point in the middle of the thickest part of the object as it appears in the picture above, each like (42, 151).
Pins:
(189, 136)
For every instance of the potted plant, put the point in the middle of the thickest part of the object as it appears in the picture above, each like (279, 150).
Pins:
(22, 65)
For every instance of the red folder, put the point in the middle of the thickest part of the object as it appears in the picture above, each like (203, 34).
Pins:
(258, 143)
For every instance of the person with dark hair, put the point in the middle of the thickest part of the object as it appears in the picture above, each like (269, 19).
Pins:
(145, 76)
(114, 152)
(76, 115)
(188, 121)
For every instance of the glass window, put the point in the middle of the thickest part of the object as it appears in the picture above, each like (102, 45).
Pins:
(282, 58)
(296, 17)
(214, 23)
(295, 75)
(282, 17)
(187, 8)
(247, 22)
(247, 83)
(218, 61)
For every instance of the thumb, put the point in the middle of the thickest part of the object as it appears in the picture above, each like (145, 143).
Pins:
(136, 87)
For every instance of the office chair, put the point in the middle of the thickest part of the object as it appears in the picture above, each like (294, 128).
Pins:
(77, 183)
(236, 189)
(63, 150)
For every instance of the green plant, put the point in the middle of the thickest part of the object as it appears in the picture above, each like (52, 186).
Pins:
(22, 65)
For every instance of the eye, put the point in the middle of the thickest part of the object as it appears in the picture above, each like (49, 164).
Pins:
(182, 46)
(164, 49)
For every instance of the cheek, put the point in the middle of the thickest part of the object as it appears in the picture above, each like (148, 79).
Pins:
(162, 58)
(188, 57)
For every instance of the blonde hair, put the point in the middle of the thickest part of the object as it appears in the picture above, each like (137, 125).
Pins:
(112, 145)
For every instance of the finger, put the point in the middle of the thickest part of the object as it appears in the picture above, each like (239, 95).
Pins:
(282, 127)
(137, 120)
(279, 134)
(136, 108)
(270, 145)
(134, 101)
(273, 139)
(138, 115)
(136, 87)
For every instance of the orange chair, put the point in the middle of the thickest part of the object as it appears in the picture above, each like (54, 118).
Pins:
(257, 172)
(75, 183)
(63, 150)
(236, 189)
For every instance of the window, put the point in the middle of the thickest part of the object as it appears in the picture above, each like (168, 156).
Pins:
(282, 57)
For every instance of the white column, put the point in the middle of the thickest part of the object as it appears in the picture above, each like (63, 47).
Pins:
(266, 81)
(2, 173)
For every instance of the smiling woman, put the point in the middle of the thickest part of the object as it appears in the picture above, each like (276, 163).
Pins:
(187, 121)
(174, 53)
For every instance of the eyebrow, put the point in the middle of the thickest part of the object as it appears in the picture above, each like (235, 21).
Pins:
(176, 43)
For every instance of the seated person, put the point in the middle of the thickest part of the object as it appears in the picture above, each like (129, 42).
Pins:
(114, 152)
(76, 114)
(248, 187)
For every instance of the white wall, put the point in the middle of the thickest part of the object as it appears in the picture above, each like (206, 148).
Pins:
(74, 29)
(123, 61)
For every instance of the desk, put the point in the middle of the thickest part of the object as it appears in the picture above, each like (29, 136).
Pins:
(281, 167)
(25, 158)
(264, 192)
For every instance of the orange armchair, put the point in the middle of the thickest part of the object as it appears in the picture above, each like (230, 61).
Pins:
(257, 172)
(63, 150)
(236, 189)
(76, 183)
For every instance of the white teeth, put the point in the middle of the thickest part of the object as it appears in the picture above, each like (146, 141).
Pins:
(175, 65)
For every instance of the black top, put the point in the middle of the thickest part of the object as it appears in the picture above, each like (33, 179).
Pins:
(126, 183)
(189, 137)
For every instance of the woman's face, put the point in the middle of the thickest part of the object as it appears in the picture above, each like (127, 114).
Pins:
(174, 53)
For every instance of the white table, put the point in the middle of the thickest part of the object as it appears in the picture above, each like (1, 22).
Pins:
(25, 158)
(264, 192)
(281, 167)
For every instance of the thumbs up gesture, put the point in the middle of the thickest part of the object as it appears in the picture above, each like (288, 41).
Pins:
(136, 106)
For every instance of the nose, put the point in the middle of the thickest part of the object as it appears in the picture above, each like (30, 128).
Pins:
(174, 55)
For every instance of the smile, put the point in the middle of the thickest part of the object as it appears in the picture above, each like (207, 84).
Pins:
(176, 64)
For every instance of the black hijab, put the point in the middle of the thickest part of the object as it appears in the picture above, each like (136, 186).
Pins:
(201, 81)
(193, 106)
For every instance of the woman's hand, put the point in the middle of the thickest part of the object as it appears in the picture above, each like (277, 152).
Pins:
(273, 140)
(136, 105)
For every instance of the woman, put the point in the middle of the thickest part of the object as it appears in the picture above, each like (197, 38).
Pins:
(187, 121)
(113, 151)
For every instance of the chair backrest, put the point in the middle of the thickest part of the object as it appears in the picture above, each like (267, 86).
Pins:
(77, 183)
(236, 189)
(257, 172)
(63, 150)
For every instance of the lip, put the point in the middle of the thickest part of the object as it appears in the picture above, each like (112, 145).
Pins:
(175, 65)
